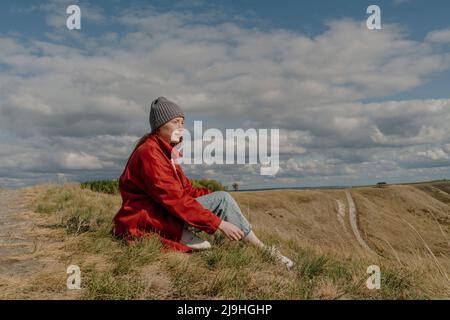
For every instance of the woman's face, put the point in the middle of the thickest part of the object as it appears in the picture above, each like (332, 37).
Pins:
(172, 130)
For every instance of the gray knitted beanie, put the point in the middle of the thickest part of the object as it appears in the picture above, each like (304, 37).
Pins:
(162, 111)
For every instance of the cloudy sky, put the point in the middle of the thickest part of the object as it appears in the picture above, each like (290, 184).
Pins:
(354, 106)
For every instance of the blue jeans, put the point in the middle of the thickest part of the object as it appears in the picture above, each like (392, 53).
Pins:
(223, 205)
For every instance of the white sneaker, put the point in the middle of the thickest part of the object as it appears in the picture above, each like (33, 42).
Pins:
(274, 252)
(192, 241)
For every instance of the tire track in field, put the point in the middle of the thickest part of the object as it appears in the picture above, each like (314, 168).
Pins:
(352, 216)
(341, 214)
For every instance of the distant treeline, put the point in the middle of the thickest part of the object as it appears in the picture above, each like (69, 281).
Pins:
(112, 186)
(105, 186)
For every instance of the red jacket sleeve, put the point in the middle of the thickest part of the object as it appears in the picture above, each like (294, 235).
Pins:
(162, 185)
(191, 190)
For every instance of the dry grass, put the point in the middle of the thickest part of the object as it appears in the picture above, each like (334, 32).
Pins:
(407, 226)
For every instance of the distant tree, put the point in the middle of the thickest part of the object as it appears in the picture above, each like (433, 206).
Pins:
(235, 186)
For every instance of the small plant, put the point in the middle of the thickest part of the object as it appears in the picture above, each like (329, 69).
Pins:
(312, 266)
(212, 258)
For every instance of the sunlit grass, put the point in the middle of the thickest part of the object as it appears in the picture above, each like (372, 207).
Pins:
(230, 270)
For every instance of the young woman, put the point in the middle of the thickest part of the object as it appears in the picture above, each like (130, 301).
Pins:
(158, 198)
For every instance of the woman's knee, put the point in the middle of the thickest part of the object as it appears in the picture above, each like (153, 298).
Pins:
(224, 197)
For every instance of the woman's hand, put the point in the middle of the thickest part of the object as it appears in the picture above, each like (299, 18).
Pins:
(231, 231)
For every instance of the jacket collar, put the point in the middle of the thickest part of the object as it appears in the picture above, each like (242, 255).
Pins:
(167, 147)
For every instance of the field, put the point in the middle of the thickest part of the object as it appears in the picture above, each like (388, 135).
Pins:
(333, 235)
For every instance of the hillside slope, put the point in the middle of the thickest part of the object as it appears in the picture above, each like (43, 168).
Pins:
(332, 234)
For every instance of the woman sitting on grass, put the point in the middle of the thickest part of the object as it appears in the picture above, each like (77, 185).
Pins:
(158, 198)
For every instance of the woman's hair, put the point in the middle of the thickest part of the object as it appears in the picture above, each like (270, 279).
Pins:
(143, 139)
(140, 142)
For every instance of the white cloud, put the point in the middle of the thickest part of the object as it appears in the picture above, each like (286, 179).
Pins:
(79, 161)
(435, 154)
(439, 36)
(88, 101)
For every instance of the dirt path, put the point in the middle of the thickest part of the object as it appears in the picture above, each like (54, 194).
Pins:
(15, 242)
(341, 214)
(352, 215)
(28, 251)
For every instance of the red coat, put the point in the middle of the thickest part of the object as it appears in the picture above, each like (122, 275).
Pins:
(157, 197)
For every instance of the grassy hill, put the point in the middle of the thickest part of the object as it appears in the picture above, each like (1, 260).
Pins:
(333, 235)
